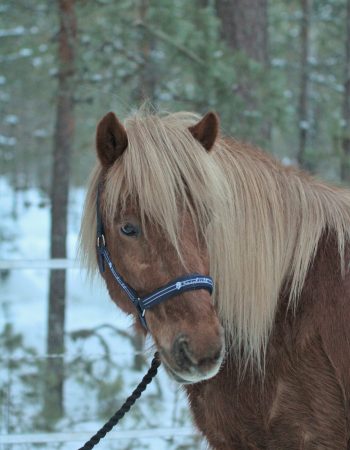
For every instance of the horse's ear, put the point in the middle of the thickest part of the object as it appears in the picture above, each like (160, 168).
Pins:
(111, 139)
(206, 130)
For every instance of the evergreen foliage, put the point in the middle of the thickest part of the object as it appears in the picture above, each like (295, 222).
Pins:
(173, 54)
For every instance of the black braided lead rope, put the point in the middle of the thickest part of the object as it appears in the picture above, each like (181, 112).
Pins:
(107, 427)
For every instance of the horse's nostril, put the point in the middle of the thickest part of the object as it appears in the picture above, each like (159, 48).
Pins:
(182, 353)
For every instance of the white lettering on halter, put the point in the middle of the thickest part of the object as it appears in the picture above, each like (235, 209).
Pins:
(196, 280)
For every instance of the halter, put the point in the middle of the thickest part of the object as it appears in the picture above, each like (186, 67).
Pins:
(175, 287)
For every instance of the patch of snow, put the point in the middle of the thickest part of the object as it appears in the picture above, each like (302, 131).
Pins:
(41, 133)
(278, 62)
(287, 93)
(288, 161)
(11, 119)
(16, 31)
(7, 141)
(85, 39)
(96, 77)
(312, 60)
(37, 61)
(25, 52)
(218, 53)
(304, 125)
(165, 96)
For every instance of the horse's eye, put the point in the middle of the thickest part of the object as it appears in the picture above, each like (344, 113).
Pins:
(130, 230)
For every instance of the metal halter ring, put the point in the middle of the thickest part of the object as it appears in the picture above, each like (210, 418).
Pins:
(99, 239)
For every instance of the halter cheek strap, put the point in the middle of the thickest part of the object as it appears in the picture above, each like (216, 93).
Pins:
(175, 287)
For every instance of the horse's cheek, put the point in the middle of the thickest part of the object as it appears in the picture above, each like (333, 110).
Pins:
(117, 295)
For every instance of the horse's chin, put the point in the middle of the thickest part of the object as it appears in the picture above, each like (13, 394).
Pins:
(188, 377)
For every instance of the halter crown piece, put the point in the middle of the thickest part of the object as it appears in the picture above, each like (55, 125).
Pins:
(175, 287)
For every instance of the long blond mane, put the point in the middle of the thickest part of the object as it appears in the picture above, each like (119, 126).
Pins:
(262, 221)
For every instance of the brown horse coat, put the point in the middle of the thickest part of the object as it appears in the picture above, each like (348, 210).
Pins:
(276, 242)
(303, 402)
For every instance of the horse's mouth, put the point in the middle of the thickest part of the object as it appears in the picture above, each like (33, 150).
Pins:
(193, 376)
(174, 374)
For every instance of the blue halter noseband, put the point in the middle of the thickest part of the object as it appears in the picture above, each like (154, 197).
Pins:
(177, 286)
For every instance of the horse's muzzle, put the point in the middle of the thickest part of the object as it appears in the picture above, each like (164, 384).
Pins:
(186, 365)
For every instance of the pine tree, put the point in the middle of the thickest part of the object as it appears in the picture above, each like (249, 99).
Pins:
(63, 146)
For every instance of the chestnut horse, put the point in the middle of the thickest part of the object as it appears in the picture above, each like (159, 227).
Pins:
(265, 359)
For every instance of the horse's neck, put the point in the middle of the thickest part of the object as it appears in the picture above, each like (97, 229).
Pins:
(324, 294)
(324, 287)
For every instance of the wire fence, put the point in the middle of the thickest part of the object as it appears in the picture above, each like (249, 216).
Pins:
(50, 264)
(46, 438)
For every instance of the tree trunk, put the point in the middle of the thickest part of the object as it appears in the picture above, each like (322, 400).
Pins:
(244, 27)
(145, 92)
(304, 81)
(147, 72)
(63, 144)
(345, 167)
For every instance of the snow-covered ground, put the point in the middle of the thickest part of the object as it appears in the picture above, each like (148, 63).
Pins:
(90, 377)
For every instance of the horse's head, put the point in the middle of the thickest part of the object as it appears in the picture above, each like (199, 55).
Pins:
(185, 328)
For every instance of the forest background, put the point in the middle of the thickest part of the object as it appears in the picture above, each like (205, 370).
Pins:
(277, 73)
